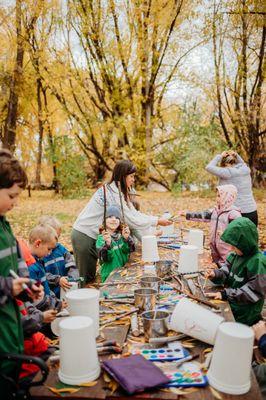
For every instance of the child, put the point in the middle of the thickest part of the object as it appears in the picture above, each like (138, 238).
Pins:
(113, 244)
(59, 265)
(12, 181)
(260, 369)
(223, 213)
(42, 240)
(244, 272)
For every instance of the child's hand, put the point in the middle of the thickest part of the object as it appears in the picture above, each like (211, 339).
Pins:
(209, 273)
(37, 292)
(259, 329)
(215, 296)
(49, 316)
(107, 237)
(17, 287)
(63, 283)
(158, 232)
(125, 232)
(182, 213)
(64, 304)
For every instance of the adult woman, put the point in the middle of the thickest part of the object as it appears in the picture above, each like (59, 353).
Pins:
(86, 226)
(233, 170)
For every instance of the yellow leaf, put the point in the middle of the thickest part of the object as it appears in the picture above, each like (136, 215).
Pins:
(88, 384)
(177, 391)
(63, 390)
(208, 350)
(217, 301)
(216, 394)
(106, 378)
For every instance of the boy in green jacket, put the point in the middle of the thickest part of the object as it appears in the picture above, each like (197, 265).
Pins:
(244, 272)
(113, 244)
(12, 180)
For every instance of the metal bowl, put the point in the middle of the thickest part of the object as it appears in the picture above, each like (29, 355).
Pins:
(155, 323)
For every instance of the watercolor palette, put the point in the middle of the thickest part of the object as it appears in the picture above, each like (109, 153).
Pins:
(185, 375)
(163, 353)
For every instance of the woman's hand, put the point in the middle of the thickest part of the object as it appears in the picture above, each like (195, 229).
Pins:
(107, 237)
(215, 296)
(164, 222)
(259, 329)
(125, 232)
(63, 283)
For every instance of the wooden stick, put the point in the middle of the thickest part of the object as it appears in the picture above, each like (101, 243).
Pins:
(191, 296)
(119, 317)
(121, 202)
(105, 206)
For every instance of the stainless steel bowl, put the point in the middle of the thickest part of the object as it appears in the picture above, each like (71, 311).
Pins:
(155, 323)
(145, 299)
(152, 282)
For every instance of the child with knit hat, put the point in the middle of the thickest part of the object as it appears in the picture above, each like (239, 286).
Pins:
(114, 243)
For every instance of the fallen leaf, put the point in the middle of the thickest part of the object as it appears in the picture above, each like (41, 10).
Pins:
(88, 384)
(177, 391)
(215, 393)
(63, 390)
(208, 350)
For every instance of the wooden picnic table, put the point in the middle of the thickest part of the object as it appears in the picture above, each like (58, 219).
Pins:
(119, 333)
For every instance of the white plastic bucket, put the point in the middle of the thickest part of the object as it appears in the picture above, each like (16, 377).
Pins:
(195, 320)
(230, 366)
(196, 238)
(74, 286)
(188, 259)
(78, 355)
(150, 249)
(85, 302)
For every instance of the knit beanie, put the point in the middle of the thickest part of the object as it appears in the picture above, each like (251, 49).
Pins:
(113, 211)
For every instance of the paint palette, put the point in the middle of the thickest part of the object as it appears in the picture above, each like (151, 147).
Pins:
(163, 353)
(187, 375)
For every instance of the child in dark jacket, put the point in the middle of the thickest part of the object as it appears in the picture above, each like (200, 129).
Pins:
(244, 272)
(114, 244)
(59, 265)
(12, 181)
(219, 217)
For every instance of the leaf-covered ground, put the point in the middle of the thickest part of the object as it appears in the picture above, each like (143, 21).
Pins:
(27, 212)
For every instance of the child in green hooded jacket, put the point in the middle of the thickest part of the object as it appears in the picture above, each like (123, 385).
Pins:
(114, 244)
(243, 274)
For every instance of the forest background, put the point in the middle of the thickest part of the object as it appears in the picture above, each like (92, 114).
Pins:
(165, 83)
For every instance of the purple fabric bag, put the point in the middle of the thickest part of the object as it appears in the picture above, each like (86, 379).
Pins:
(135, 373)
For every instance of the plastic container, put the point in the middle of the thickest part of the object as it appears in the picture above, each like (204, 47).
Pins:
(188, 259)
(150, 249)
(63, 292)
(196, 238)
(78, 355)
(230, 366)
(195, 320)
(85, 302)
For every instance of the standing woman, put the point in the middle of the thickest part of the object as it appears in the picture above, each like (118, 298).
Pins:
(233, 170)
(86, 226)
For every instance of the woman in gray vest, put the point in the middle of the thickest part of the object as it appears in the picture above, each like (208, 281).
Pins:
(233, 170)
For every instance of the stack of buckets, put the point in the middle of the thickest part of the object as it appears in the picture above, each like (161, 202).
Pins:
(78, 354)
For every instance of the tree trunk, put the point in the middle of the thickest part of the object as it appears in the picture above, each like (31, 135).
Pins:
(40, 141)
(9, 137)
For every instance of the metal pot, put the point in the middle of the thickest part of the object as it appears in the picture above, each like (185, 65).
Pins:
(145, 299)
(152, 282)
(155, 323)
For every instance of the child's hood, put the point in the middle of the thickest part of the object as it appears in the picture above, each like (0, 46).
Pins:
(228, 195)
(243, 234)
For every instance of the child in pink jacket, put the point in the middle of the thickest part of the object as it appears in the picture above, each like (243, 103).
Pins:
(219, 217)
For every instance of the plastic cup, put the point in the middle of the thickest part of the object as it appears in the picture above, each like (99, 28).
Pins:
(196, 238)
(85, 302)
(230, 366)
(150, 249)
(78, 355)
(195, 320)
(188, 259)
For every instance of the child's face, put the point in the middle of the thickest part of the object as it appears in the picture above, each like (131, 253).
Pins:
(8, 198)
(112, 223)
(42, 249)
(130, 180)
(236, 250)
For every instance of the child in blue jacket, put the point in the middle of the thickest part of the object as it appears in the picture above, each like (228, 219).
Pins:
(59, 265)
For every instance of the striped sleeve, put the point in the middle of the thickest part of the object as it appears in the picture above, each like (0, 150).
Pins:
(251, 292)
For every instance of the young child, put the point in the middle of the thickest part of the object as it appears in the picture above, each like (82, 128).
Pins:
(260, 369)
(42, 240)
(113, 244)
(59, 265)
(223, 213)
(12, 181)
(244, 272)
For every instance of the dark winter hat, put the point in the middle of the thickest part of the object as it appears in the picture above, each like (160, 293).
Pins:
(113, 211)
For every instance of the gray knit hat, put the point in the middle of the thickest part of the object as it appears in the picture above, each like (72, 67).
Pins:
(113, 211)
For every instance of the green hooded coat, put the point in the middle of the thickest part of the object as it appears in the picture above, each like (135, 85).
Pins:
(245, 275)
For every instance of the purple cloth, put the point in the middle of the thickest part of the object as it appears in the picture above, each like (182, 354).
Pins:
(135, 373)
